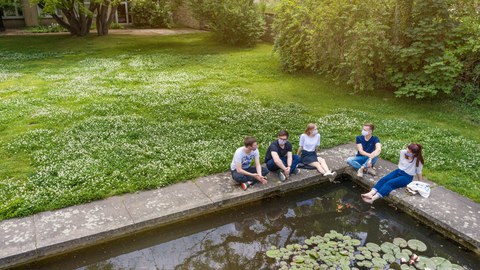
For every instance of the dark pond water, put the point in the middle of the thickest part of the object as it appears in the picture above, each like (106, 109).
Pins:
(239, 237)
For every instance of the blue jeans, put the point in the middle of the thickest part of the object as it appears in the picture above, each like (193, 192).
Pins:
(242, 178)
(391, 181)
(271, 166)
(358, 161)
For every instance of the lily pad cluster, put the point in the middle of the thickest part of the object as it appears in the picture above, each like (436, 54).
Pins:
(337, 251)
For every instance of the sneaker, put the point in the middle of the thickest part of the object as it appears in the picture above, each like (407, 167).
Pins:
(372, 171)
(281, 176)
(360, 172)
(297, 171)
(245, 186)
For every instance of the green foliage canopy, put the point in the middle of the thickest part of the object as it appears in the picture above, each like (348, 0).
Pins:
(235, 22)
(415, 48)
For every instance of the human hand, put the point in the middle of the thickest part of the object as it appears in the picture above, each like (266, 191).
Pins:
(261, 179)
(287, 172)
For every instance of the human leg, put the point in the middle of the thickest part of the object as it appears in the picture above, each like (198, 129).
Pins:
(295, 161)
(241, 178)
(380, 183)
(271, 166)
(318, 167)
(356, 161)
(402, 180)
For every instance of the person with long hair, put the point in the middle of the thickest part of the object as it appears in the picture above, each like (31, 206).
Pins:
(410, 164)
(309, 141)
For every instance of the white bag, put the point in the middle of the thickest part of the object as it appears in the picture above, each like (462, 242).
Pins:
(421, 187)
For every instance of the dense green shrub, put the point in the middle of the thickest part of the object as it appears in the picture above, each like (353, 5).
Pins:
(235, 22)
(151, 13)
(416, 48)
(52, 28)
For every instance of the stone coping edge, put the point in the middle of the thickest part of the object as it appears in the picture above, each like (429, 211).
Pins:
(125, 231)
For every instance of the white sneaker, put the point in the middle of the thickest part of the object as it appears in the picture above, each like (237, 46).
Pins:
(360, 172)
(281, 176)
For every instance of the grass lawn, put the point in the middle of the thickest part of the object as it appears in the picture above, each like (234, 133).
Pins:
(86, 118)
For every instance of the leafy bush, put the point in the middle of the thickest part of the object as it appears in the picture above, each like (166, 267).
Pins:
(150, 13)
(52, 28)
(416, 48)
(115, 25)
(235, 22)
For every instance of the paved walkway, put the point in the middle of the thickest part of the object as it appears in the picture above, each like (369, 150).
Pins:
(54, 232)
(128, 31)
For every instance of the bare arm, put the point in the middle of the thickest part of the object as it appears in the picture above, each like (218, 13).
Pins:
(299, 151)
(289, 159)
(378, 150)
(278, 161)
(419, 176)
(259, 175)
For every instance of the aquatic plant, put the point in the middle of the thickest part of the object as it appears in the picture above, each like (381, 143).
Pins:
(337, 251)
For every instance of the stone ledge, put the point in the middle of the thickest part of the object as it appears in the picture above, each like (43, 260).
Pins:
(51, 233)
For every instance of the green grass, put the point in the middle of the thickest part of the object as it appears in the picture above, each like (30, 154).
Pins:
(87, 118)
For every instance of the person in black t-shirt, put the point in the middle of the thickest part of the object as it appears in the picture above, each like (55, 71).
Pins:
(279, 157)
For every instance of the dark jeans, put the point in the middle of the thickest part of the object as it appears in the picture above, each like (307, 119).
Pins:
(391, 181)
(242, 178)
(271, 166)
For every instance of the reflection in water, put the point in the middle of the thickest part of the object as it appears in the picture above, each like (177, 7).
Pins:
(238, 238)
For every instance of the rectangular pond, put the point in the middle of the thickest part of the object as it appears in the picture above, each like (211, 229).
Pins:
(237, 238)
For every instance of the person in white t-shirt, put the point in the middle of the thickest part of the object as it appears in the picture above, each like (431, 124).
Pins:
(241, 169)
(410, 164)
(309, 141)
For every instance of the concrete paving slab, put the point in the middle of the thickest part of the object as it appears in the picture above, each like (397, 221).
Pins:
(73, 225)
(17, 236)
(165, 203)
(449, 213)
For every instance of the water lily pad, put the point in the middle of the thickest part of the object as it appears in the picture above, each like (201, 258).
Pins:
(298, 259)
(375, 255)
(441, 263)
(400, 242)
(407, 251)
(355, 242)
(425, 263)
(367, 264)
(389, 258)
(359, 257)
(309, 242)
(402, 255)
(417, 245)
(457, 267)
(273, 253)
(390, 248)
(406, 267)
(373, 247)
(379, 262)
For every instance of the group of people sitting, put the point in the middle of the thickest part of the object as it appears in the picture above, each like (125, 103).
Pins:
(280, 158)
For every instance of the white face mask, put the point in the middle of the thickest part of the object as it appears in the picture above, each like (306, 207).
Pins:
(282, 142)
(364, 132)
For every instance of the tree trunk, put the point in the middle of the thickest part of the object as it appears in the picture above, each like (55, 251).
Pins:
(2, 26)
(105, 15)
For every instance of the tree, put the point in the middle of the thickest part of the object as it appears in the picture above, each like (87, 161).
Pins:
(79, 16)
(105, 13)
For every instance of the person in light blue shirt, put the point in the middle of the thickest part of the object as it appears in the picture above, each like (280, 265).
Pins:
(410, 164)
(369, 149)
